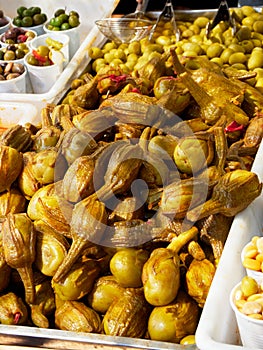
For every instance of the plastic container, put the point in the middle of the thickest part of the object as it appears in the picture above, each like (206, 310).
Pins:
(58, 36)
(16, 85)
(17, 114)
(89, 36)
(217, 328)
(74, 38)
(257, 275)
(8, 25)
(42, 78)
(250, 329)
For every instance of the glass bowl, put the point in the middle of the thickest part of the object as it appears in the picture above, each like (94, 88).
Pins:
(124, 30)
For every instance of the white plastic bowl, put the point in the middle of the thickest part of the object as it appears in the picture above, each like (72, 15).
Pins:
(42, 78)
(58, 36)
(74, 38)
(8, 25)
(16, 85)
(257, 275)
(250, 329)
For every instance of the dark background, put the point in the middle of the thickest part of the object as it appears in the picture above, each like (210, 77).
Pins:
(126, 6)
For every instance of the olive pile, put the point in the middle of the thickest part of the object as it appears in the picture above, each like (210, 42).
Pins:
(13, 52)
(11, 70)
(242, 51)
(40, 56)
(29, 17)
(17, 36)
(3, 19)
(64, 21)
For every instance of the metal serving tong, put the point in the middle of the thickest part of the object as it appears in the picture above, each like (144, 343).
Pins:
(223, 14)
(139, 11)
(166, 15)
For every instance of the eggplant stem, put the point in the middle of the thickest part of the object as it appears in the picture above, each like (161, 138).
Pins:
(77, 247)
(26, 274)
(212, 206)
(178, 242)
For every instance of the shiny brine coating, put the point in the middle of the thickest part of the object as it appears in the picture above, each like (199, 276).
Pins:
(115, 209)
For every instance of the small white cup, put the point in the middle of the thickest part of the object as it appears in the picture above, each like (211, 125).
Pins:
(42, 78)
(74, 38)
(16, 85)
(250, 329)
(257, 275)
(58, 36)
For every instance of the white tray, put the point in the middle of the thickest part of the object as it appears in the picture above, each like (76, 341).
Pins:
(89, 10)
(217, 327)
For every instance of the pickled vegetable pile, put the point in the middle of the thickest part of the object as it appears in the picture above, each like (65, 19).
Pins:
(116, 208)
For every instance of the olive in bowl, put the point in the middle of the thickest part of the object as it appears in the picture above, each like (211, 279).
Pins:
(16, 36)
(14, 52)
(12, 77)
(30, 17)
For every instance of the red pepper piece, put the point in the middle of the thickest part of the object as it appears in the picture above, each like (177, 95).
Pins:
(22, 38)
(39, 57)
(117, 78)
(136, 90)
(234, 126)
(17, 317)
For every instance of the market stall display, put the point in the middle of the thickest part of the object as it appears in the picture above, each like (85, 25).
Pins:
(159, 121)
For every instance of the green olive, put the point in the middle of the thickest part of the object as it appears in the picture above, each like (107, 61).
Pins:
(256, 42)
(259, 72)
(95, 52)
(248, 45)
(115, 62)
(248, 286)
(19, 53)
(226, 53)
(163, 40)
(258, 26)
(236, 47)
(189, 46)
(32, 60)
(126, 266)
(109, 46)
(120, 54)
(43, 50)
(240, 66)
(74, 21)
(152, 47)
(201, 21)
(195, 28)
(214, 50)
(9, 55)
(244, 33)
(217, 60)
(256, 59)
(98, 63)
(248, 21)
(109, 56)
(237, 57)
(248, 10)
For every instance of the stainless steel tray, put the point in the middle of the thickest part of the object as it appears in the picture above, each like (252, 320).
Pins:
(57, 339)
